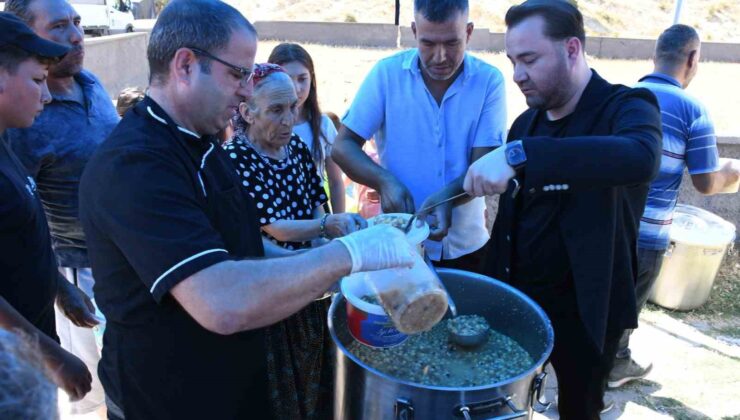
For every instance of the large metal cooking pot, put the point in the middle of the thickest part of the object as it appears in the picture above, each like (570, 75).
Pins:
(362, 392)
(699, 243)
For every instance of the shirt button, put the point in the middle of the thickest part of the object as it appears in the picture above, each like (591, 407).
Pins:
(532, 190)
(508, 238)
(507, 270)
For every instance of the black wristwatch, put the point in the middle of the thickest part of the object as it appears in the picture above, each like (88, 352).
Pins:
(515, 155)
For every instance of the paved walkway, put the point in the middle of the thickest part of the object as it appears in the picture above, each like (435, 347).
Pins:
(694, 376)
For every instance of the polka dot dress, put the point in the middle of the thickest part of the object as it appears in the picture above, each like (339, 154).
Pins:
(284, 189)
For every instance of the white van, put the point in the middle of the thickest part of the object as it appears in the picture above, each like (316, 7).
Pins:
(102, 17)
(105, 17)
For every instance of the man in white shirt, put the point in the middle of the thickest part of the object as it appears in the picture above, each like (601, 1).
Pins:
(433, 110)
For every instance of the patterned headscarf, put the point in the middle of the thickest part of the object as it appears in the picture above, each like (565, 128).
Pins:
(261, 71)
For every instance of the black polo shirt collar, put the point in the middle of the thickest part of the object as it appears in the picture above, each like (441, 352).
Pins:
(198, 147)
(158, 114)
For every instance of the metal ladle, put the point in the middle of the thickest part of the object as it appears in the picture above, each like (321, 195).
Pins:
(473, 340)
(462, 340)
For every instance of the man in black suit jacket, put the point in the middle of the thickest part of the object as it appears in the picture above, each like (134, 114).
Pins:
(573, 179)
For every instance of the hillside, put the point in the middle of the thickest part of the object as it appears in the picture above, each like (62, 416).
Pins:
(716, 20)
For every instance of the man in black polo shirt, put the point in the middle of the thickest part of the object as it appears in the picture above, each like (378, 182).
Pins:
(173, 240)
(28, 270)
(573, 176)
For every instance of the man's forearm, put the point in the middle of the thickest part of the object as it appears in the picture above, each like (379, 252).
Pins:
(350, 157)
(12, 320)
(235, 296)
(336, 186)
(64, 286)
(727, 176)
(273, 250)
(455, 187)
(294, 230)
(713, 182)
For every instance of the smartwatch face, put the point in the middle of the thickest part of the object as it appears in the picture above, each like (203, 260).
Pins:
(515, 155)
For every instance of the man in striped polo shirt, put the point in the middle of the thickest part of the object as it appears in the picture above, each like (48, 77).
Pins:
(688, 141)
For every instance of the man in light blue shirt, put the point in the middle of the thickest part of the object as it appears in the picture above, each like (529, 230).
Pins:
(688, 142)
(433, 110)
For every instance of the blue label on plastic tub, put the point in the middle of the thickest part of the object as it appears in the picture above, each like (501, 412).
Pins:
(373, 330)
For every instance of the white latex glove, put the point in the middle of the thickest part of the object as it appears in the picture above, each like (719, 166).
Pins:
(378, 248)
(489, 175)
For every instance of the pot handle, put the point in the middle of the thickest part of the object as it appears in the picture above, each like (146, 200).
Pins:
(464, 410)
(404, 409)
(538, 392)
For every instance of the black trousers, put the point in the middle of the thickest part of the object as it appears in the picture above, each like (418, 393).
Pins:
(581, 368)
(649, 262)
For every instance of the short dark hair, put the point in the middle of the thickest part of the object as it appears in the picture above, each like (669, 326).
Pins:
(20, 8)
(562, 18)
(11, 57)
(202, 24)
(440, 10)
(675, 44)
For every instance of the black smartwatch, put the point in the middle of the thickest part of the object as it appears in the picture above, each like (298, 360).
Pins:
(515, 155)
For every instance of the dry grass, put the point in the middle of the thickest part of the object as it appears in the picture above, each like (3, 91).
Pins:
(340, 70)
(717, 20)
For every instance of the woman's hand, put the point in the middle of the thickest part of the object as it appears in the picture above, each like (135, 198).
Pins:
(341, 224)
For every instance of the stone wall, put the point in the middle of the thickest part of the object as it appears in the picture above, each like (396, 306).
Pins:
(119, 61)
(389, 36)
(353, 34)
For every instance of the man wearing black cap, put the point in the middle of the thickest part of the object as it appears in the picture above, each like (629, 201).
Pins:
(55, 150)
(28, 285)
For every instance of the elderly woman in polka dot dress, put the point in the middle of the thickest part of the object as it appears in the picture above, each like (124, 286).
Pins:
(277, 170)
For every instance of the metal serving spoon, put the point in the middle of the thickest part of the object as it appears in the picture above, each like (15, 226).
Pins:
(407, 228)
(470, 339)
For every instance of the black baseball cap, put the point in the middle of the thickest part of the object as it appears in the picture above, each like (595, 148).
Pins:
(15, 32)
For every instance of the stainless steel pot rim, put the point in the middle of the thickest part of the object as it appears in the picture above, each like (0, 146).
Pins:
(531, 371)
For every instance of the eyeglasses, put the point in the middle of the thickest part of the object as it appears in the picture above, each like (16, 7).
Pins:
(247, 74)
